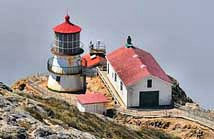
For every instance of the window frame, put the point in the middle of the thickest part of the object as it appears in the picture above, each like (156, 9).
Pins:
(115, 77)
(121, 86)
(108, 68)
(149, 83)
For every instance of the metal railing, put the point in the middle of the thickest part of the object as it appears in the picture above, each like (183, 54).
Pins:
(63, 70)
(99, 47)
(199, 115)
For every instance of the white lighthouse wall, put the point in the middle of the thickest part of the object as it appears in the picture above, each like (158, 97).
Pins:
(62, 63)
(164, 88)
(67, 83)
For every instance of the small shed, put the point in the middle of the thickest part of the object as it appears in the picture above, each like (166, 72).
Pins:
(92, 102)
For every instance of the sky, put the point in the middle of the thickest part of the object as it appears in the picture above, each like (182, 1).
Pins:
(178, 33)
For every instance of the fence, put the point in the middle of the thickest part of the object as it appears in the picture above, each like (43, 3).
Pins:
(199, 116)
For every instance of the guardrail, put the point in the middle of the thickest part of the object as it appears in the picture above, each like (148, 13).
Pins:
(199, 116)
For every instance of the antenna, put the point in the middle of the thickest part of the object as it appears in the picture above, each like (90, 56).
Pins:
(67, 11)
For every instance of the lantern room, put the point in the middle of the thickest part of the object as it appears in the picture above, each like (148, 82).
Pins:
(67, 39)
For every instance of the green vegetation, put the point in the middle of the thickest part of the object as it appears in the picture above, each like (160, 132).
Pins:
(61, 113)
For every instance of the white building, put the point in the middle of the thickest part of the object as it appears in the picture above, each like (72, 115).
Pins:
(92, 102)
(138, 78)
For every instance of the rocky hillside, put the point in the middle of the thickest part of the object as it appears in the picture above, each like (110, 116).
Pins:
(178, 94)
(23, 115)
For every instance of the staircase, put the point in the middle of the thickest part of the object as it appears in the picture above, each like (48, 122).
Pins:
(110, 87)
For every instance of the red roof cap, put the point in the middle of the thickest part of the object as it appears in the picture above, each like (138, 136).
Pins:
(92, 98)
(134, 64)
(67, 27)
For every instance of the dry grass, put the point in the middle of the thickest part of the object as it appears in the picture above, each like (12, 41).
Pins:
(60, 112)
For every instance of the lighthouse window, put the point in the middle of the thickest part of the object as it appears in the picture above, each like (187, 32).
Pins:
(78, 38)
(65, 41)
(57, 39)
(60, 37)
(72, 41)
(70, 37)
(58, 78)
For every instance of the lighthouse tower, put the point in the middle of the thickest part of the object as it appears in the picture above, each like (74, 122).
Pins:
(65, 66)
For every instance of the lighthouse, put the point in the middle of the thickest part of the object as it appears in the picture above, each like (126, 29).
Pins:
(65, 67)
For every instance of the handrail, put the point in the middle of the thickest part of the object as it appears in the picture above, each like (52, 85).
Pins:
(63, 70)
(199, 113)
(107, 84)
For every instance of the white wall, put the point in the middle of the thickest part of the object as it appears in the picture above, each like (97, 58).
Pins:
(92, 108)
(164, 88)
(65, 61)
(67, 82)
(116, 84)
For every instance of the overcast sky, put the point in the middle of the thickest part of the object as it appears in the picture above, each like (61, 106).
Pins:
(178, 33)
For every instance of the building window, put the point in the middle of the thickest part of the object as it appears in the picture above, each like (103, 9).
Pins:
(115, 77)
(121, 86)
(149, 83)
(108, 68)
(58, 78)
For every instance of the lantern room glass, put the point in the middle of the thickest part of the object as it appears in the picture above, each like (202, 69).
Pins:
(67, 43)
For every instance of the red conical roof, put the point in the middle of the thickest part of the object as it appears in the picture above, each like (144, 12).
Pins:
(67, 27)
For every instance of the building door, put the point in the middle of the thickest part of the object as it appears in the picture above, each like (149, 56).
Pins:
(149, 99)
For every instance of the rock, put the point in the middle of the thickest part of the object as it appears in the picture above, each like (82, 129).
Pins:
(178, 94)
(5, 87)
(158, 124)
(42, 133)
(5, 105)
(22, 87)
(13, 133)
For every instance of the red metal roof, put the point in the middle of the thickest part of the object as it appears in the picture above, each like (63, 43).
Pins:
(67, 27)
(92, 98)
(88, 62)
(133, 64)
